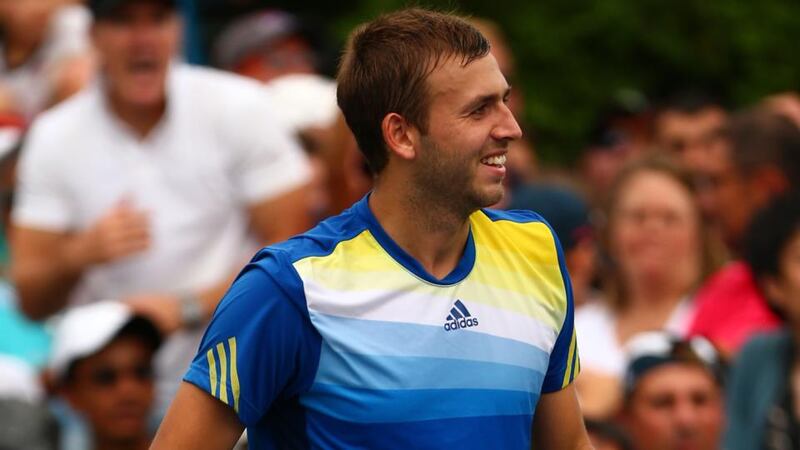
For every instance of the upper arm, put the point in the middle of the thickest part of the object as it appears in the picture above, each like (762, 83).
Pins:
(34, 250)
(558, 423)
(271, 172)
(260, 345)
(276, 219)
(197, 420)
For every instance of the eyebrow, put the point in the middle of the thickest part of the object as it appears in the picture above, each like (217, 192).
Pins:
(486, 99)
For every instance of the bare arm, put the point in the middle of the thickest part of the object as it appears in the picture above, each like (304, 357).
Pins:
(558, 423)
(272, 220)
(279, 218)
(44, 269)
(197, 420)
(47, 265)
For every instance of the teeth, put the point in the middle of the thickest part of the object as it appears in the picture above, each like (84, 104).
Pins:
(495, 160)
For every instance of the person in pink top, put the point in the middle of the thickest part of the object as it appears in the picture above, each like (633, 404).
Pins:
(756, 158)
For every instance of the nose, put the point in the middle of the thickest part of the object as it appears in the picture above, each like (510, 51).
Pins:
(507, 128)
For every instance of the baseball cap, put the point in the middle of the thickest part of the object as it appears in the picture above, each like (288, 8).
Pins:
(85, 330)
(653, 349)
(252, 33)
(106, 8)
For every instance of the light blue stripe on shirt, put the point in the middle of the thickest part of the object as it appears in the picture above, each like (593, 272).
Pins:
(373, 337)
(413, 372)
(346, 403)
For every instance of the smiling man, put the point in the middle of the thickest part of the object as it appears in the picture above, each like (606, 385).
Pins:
(415, 319)
(152, 186)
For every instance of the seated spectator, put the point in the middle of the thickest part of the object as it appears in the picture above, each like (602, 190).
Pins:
(45, 54)
(659, 254)
(756, 159)
(568, 214)
(102, 364)
(673, 393)
(765, 381)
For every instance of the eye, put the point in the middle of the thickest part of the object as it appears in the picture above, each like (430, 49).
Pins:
(480, 110)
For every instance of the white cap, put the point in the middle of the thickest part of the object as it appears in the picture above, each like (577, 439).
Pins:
(85, 330)
(304, 100)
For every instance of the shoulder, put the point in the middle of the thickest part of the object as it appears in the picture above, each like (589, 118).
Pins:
(765, 346)
(517, 231)
(69, 121)
(216, 85)
(323, 239)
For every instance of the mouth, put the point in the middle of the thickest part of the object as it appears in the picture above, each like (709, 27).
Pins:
(143, 67)
(498, 161)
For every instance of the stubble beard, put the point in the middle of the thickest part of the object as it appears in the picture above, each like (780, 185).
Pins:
(448, 187)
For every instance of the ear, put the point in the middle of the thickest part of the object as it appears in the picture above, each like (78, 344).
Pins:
(400, 136)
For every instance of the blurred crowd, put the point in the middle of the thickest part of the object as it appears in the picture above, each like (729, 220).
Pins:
(135, 185)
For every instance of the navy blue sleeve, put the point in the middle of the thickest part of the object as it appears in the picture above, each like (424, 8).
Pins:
(260, 346)
(564, 362)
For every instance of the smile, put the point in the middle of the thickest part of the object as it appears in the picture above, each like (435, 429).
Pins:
(497, 161)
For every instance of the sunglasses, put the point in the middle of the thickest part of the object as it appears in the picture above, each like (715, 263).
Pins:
(648, 350)
(105, 377)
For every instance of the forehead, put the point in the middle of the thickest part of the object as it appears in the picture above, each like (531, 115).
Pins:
(652, 187)
(121, 351)
(675, 379)
(452, 80)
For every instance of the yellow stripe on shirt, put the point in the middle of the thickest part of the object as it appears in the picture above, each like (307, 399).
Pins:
(212, 372)
(223, 379)
(570, 359)
(234, 374)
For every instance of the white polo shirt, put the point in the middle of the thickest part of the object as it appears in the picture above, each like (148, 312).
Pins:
(216, 150)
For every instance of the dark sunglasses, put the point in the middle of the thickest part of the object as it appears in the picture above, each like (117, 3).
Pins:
(109, 376)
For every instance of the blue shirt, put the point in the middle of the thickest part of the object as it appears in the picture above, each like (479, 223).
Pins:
(338, 338)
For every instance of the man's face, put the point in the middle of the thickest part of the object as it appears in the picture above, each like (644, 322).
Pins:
(462, 156)
(688, 136)
(135, 46)
(114, 390)
(676, 407)
(725, 195)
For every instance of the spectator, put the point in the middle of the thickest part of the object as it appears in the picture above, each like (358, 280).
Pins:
(45, 53)
(607, 435)
(673, 393)
(762, 407)
(686, 125)
(659, 254)
(102, 364)
(166, 197)
(756, 159)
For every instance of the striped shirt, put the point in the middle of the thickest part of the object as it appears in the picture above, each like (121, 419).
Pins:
(339, 339)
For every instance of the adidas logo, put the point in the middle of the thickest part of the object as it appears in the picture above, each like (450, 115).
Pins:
(459, 317)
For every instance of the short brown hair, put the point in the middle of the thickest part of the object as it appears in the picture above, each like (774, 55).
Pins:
(385, 68)
(759, 137)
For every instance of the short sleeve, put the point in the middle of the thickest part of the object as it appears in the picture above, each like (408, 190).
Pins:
(269, 160)
(260, 347)
(564, 363)
(41, 199)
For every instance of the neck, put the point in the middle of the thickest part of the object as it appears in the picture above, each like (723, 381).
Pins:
(141, 118)
(429, 230)
(101, 443)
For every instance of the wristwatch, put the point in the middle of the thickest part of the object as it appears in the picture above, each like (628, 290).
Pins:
(191, 311)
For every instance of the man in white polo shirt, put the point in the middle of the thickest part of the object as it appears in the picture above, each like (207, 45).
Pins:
(153, 186)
